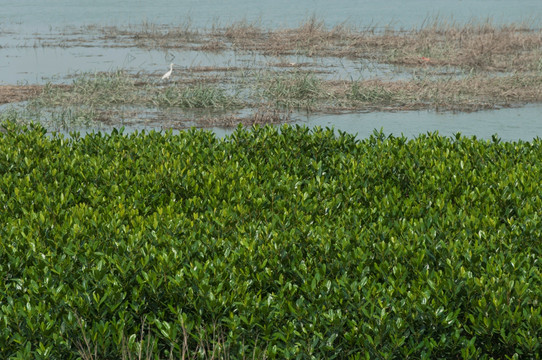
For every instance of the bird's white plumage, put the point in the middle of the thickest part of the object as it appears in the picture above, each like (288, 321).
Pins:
(168, 74)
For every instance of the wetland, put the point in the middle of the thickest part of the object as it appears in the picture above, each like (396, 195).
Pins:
(98, 77)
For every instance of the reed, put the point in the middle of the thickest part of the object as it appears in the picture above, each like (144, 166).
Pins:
(474, 45)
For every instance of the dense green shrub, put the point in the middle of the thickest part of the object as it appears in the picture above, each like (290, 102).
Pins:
(292, 242)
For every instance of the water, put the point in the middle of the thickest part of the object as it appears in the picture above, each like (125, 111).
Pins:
(36, 15)
(39, 65)
(23, 21)
(510, 124)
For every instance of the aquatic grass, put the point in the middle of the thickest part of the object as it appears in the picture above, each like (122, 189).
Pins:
(112, 97)
(469, 93)
(18, 93)
(147, 34)
(482, 46)
(263, 115)
(99, 96)
(99, 89)
(373, 94)
(121, 88)
(477, 91)
(198, 96)
(454, 67)
(298, 89)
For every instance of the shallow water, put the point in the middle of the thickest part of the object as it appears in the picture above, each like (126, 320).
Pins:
(39, 65)
(37, 15)
(510, 124)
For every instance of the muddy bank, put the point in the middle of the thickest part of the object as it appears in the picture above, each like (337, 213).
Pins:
(18, 93)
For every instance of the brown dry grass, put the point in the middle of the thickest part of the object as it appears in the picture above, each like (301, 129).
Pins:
(18, 93)
(472, 46)
(506, 48)
(472, 93)
(480, 46)
(311, 38)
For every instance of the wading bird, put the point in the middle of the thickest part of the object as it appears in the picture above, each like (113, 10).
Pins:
(168, 74)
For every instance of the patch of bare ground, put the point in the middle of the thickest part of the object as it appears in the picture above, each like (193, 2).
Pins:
(18, 93)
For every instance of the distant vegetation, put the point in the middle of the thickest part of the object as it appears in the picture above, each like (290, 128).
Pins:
(478, 45)
(269, 243)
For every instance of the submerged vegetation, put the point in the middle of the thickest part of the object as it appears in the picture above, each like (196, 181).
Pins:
(269, 243)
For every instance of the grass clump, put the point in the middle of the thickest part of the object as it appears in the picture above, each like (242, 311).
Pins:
(104, 97)
(298, 90)
(282, 243)
(468, 93)
(100, 89)
(119, 88)
(199, 96)
(379, 95)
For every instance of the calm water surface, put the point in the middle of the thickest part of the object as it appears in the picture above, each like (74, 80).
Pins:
(512, 124)
(39, 14)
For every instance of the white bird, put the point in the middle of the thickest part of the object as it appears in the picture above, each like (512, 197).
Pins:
(168, 74)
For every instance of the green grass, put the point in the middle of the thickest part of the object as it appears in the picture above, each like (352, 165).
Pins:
(378, 95)
(104, 97)
(103, 90)
(199, 97)
(297, 90)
